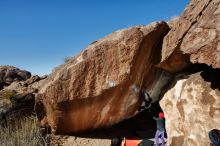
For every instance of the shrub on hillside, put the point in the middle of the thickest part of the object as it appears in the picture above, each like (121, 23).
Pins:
(7, 94)
(67, 59)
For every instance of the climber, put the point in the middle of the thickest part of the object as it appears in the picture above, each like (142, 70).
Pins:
(214, 136)
(160, 129)
(145, 97)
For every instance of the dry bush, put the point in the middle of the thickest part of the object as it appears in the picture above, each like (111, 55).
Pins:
(6, 94)
(67, 59)
(24, 132)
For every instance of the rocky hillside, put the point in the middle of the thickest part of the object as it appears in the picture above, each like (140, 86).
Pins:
(17, 92)
(10, 74)
(177, 63)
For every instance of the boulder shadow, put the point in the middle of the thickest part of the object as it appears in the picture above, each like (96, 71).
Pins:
(141, 126)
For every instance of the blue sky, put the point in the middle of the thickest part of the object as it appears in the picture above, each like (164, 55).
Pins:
(36, 35)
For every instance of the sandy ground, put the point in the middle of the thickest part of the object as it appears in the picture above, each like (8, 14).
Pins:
(77, 141)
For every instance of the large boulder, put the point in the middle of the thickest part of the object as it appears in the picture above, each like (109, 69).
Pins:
(194, 37)
(100, 87)
(192, 109)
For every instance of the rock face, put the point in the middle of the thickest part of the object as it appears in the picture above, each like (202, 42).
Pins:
(100, 86)
(194, 37)
(192, 105)
(192, 109)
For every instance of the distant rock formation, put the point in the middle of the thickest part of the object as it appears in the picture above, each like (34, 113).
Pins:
(18, 91)
(100, 87)
(9, 74)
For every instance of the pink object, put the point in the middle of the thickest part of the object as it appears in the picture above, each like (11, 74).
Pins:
(161, 115)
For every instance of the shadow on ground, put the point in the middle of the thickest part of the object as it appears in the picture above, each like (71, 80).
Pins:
(141, 126)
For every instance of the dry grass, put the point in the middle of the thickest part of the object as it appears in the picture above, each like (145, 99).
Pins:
(67, 59)
(24, 132)
(6, 94)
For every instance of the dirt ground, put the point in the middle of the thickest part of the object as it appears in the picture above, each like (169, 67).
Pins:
(77, 141)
